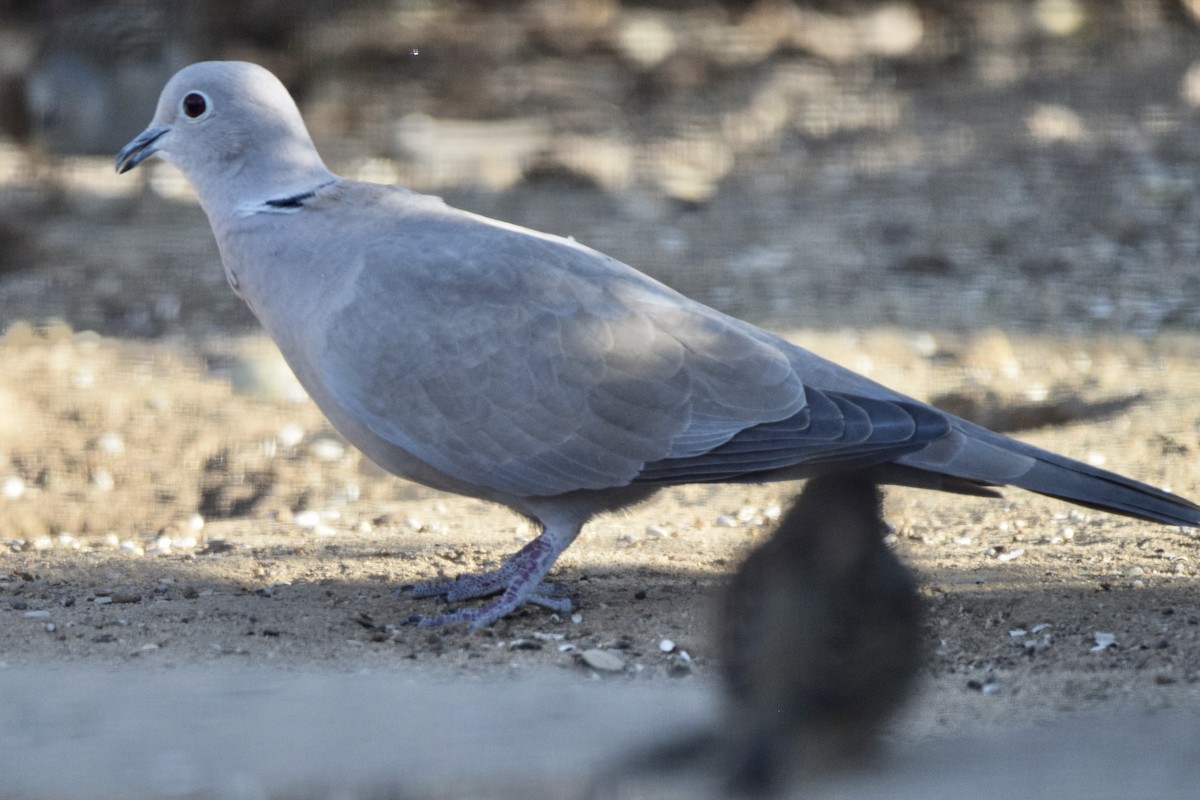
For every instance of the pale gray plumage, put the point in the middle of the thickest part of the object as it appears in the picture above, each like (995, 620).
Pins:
(494, 361)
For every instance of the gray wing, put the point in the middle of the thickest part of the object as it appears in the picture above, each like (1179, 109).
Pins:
(535, 366)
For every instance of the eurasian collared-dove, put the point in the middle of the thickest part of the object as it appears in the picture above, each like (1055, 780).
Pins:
(497, 362)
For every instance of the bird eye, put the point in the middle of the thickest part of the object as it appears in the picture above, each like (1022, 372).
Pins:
(195, 104)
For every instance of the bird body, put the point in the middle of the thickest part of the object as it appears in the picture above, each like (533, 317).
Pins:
(498, 362)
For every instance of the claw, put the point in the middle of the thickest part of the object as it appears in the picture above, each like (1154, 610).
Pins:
(518, 581)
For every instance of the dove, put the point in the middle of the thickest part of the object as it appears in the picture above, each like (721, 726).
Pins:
(493, 361)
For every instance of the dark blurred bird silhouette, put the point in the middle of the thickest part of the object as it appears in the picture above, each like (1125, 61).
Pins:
(819, 639)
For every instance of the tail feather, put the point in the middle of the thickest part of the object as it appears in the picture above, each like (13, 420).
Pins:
(1081, 483)
(1055, 476)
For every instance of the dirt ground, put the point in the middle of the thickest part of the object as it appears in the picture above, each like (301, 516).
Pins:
(198, 572)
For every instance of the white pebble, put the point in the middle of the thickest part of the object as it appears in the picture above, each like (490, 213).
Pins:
(102, 479)
(1009, 555)
(657, 530)
(290, 435)
(747, 513)
(111, 443)
(925, 345)
(773, 512)
(13, 487)
(42, 543)
(83, 378)
(725, 521)
(132, 547)
(102, 601)
(196, 522)
(326, 449)
(666, 645)
(603, 660)
(307, 519)
(1103, 641)
(577, 618)
(39, 614)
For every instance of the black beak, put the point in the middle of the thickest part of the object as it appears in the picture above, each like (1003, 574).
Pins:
(141, 148)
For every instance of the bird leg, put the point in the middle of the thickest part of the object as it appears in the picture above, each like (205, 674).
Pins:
(518, 581)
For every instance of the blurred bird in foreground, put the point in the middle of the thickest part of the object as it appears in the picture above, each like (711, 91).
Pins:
(819, 638)
(819, 641)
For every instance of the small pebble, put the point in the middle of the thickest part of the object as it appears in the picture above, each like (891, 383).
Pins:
(111, 443)
(290, 435)
(666, 645)
(307, 519)
(725, 521)
(13, 487)
(1103, 641)
(602, 660)
(38, 614)
(1009, 555)
(326, 449)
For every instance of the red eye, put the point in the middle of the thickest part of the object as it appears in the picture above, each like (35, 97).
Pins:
(195, 104)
